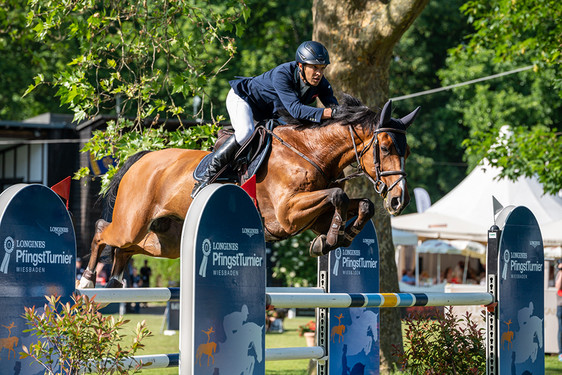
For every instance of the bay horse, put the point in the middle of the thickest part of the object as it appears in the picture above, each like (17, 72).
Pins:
(299, 187)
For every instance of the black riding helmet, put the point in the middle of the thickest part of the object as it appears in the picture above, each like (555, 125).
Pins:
(312, 53)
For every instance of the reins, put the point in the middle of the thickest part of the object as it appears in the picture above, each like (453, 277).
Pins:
(290, 147)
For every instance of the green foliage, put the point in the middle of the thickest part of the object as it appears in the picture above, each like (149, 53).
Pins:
(150, 55)
(448, 345)
(76, 337)
(474, 112)
(271, 36)
(165, 272)
(145, 59)
(525, 101)
(436, 159)
(518, 30)
(292, 263)
(511, 34)
(23, 58)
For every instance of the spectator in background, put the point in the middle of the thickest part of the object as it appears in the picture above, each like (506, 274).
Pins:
(145, 273)
(135, 283)
(79, 268)
(408, 277)
(450, 277)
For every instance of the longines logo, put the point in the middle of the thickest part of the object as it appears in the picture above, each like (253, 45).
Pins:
(59, 230)
(250, 231)
(534, 243)
(8, 248)
(369, 241)
(225, 258)
(206, 249)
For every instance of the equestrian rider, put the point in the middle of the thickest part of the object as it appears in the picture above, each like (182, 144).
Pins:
(292, 86)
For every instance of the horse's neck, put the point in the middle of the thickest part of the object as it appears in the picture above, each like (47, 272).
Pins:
(330, 147)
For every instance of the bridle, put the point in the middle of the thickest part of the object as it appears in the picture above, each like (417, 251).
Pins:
(379, 185)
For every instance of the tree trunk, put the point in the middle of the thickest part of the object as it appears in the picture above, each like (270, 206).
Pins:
(360, 36)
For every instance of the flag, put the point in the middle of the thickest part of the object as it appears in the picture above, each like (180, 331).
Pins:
(497, 207)
(250, 188)
(423, 202)
(63, 189)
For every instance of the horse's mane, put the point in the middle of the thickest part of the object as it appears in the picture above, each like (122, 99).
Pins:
(350, 112)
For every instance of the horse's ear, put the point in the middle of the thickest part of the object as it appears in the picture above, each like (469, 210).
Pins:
(386, 112)
(409, 119)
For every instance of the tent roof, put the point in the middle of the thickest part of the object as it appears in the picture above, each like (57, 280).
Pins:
(553, 232)
(467, 211)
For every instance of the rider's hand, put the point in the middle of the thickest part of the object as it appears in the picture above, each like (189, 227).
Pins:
(327, 113)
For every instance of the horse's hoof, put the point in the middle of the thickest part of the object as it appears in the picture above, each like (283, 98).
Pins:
(317, 246)
(83, 283)
(114, 283)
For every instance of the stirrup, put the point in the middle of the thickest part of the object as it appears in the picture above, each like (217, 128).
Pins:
(198, 187)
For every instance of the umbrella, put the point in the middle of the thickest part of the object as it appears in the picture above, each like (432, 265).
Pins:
(437, 247)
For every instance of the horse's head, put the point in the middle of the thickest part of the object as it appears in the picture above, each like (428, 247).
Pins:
(385, 165)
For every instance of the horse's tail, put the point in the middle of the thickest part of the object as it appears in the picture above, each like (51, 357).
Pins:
(111, 194)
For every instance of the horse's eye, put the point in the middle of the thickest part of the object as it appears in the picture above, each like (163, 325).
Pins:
(385, 150)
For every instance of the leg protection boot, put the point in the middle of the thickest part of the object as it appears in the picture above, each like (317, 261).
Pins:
(222, 156)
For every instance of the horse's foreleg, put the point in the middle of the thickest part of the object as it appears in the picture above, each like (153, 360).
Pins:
(364, 209)
(340, 201)
(320, 208)
(88, 279)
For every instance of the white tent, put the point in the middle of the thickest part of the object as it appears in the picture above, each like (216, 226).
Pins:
(553, 232)
(466, 213)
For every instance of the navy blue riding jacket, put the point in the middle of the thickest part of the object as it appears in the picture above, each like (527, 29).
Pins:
(280, 88)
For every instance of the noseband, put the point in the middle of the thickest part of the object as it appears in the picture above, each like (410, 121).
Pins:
(380, 187)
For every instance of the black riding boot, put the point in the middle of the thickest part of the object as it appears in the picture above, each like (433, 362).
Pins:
(221, 157)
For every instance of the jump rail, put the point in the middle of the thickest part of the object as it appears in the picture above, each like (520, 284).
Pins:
(307, 298)
(128, 295)
(345, 300)
(154, 361)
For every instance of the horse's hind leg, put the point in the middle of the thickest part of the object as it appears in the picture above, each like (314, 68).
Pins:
(120, 260)
(88, 279)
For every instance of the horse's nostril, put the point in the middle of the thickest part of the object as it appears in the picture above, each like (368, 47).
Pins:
(395, 203)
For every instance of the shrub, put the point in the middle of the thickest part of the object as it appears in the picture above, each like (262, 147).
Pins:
(308, 327)
(77, 338)
(446, 345)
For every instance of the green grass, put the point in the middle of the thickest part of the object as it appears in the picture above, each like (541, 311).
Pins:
(552, 365)
(160, 343)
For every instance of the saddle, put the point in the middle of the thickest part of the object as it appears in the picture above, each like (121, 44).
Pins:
(246, 161)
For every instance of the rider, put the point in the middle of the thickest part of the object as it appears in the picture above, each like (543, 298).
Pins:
(292, 86)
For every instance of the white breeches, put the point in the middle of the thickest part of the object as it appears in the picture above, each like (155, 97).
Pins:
(241, 117)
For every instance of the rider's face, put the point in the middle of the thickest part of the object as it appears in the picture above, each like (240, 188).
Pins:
(313, 73)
